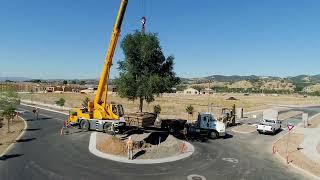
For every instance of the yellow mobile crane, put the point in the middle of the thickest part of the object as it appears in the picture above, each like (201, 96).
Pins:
(100, 115)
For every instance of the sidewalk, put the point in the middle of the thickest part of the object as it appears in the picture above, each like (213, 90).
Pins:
(310, 143)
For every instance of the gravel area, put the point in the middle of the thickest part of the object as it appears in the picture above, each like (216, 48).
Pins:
(16, 127)
(296, 156)
(244, 128)
(146, 145)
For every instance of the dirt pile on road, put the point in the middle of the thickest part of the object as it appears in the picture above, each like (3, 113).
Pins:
(146, 146)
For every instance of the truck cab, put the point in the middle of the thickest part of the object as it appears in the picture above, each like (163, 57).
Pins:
(207, 125)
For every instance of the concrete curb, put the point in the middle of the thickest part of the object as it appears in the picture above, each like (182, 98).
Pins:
(44, 109)
(93, 150)
(284, 161)
(19, 137)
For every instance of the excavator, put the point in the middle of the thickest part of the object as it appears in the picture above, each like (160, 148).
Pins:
(99, 115)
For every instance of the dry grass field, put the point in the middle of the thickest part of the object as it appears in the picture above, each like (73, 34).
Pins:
(173, 105)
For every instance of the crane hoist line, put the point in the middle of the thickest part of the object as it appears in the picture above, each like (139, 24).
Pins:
(99, 115)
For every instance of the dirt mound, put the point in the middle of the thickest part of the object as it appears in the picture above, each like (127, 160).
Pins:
(146, 146)
(111, 145)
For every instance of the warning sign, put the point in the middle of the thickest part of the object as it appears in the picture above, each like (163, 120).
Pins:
(290, 127)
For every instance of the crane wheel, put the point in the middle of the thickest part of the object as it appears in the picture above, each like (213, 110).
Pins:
(84, 125)
(107, 128)
(213, 135)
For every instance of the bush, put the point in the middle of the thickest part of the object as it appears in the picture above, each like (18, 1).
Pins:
(157, 109)
(190, 109)
(60, 102)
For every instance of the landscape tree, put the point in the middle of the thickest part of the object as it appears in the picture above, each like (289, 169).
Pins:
(157, 109)
(190, 110)
(9, 100)
(145, 71)
(65, 82)
(197, 87)
(85, 102)
(61, 102)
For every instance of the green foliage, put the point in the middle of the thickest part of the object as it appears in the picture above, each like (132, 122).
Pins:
(65, 82)
(85, 102)
(82, 82)
(61, 102)
(181, 87)
(190, 109)
(197, 87)
(157, 109)
(9, 112)
(9, 99)
(145, 71)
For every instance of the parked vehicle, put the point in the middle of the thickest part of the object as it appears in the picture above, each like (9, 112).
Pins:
(270, 123)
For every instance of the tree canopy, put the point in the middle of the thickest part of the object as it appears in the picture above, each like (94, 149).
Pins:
(145, 71)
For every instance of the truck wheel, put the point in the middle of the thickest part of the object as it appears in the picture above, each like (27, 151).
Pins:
(213, 135)
(84, 125)
(107, 128)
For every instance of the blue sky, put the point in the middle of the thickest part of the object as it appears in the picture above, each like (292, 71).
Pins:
(69, 39)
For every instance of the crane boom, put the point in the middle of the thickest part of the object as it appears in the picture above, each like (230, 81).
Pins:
(103, 87)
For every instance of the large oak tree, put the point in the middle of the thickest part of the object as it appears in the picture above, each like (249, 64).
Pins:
(145, 71)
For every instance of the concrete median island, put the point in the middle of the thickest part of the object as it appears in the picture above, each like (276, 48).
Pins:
(149, 148)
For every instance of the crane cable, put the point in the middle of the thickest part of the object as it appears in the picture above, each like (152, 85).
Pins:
(143, 19)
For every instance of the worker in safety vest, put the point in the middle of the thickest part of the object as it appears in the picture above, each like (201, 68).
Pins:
(130, 147)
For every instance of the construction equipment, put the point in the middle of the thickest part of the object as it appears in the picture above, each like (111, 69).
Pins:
(99, 115)
(228, 116)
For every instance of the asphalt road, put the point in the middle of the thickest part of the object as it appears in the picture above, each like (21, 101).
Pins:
(43, 153)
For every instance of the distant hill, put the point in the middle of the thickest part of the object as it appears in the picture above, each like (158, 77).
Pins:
(2, 79)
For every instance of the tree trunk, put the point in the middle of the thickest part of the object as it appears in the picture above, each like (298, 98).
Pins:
(141, 104)
(8, 121)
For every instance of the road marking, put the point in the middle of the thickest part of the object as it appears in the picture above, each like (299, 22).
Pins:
(196, 177)
(232, 160)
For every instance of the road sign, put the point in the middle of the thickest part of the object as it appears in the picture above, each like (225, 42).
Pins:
(290, 126)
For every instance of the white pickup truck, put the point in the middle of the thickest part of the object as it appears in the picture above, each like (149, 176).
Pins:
(269, 123)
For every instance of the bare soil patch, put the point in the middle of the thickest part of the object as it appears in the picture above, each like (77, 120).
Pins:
(289, 114)
(315, 122)
(295, 156)
(146, 145)
(16, 127)
(244, 128)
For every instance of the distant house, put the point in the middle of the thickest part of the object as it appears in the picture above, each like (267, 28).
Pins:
(191, 91)
(206, 91)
